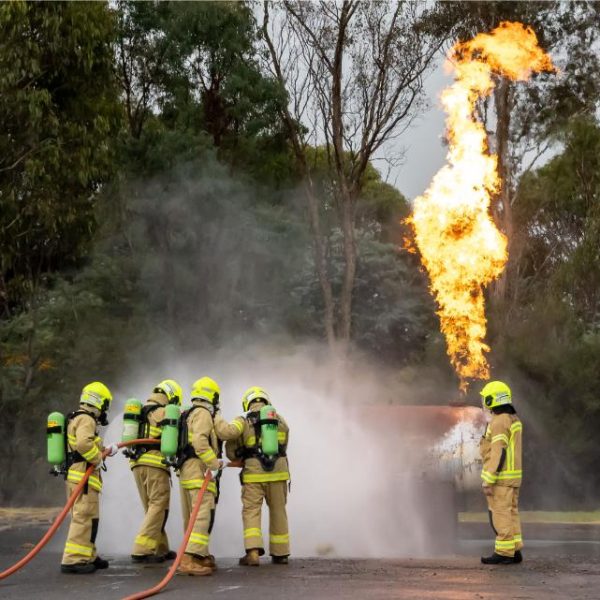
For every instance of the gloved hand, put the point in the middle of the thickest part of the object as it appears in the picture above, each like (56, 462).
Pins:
(112, 449)
(215, 472)
(488, 490)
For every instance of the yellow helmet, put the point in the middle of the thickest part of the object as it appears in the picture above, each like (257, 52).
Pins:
(495, 393)
(207, 389)
(96, 394)
(254, 394)
(171, 389)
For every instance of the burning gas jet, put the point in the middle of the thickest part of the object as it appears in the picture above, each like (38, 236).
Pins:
(461, 247)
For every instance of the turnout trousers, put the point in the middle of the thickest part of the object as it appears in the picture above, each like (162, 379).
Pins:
(80, 546)
(275, 495)
(154, 487)
(200, 537)
(503, 506)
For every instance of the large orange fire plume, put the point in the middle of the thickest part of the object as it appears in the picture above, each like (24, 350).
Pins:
(460, 245)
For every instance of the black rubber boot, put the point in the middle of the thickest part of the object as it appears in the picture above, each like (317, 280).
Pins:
(170, 555)
(79, 568)
(518, 557)
(497, 559)
(147, 559)
(279, 560)
(100, 563)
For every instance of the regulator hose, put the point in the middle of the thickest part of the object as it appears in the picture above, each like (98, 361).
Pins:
(63, 513)
(165, 580)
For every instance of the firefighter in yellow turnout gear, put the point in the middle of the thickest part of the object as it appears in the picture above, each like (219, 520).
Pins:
(153, 479)
(84, 448)
(264, 478)
(501, 453)
(205, 430)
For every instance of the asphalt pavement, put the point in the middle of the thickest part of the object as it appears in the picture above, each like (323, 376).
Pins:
(561, 569)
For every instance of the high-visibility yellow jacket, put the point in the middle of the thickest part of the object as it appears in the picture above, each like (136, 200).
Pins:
(153, 457)
(501, 451)
(82, 437)
(253, 470)
(204, 433)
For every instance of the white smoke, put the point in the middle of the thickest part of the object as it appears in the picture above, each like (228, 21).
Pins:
(355, 491)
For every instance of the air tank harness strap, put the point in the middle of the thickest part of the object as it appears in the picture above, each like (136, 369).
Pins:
(173, 422)
(75, 457)
(134, 452)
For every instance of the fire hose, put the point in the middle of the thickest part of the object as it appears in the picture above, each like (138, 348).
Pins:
(181, 550)
(63, 513)
(171, 572)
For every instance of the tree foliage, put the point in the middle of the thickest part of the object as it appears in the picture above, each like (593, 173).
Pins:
(58, 113)
(154, 175)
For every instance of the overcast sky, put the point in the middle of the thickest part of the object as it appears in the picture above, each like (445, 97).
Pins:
(424, 152)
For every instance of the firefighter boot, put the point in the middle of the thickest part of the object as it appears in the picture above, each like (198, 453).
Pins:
(518, 557)
(191, 566)
(78, 568)
(251, 559)
(100, 563)
(279, 560)
(208, 561)
(147, 559)
(497, 559)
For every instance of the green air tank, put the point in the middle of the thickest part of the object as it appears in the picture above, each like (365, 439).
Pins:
(170, 431)
(55, 433)
(268, 430)
(132, 416)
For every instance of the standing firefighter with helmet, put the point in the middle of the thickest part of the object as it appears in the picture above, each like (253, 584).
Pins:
(265, 475)
(152, 475)
(501, 473)
(84, 448)
(201, 430)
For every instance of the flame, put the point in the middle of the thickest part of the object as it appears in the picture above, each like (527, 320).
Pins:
(460, 245)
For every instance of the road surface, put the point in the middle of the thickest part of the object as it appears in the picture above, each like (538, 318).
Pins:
(567, 569)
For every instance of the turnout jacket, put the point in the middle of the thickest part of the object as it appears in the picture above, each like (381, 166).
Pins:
(204, 434)
(82, 437)
(153, 456)
(253, 470)
(501, 451)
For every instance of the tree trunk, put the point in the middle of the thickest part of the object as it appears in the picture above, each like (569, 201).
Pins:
(311, 197)
(345, 190)
(502, 208)
(349, 244)
(320, 261)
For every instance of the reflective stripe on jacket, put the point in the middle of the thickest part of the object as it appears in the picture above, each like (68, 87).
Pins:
(253, 471)
(82, 437)
(153, 458)
(501, 451)
(204, 434)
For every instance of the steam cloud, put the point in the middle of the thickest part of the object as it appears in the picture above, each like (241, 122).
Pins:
(354, 491)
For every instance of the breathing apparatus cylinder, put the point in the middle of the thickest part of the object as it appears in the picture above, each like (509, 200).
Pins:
(55, 434)
(268, 430)
(170, 431)
(132, 417)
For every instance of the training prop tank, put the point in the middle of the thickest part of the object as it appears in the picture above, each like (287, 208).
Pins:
(444, 440)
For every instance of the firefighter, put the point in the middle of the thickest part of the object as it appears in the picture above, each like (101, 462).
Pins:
(153, 478)
(204, 429)
(84, 449)
(501, 473)
(264, 478)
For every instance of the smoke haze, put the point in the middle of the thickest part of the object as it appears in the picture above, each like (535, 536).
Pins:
(350, 496)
